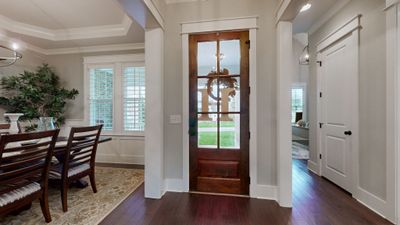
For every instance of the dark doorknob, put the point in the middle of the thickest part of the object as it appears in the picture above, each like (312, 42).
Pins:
(348, 132)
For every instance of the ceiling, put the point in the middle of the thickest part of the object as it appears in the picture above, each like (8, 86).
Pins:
(53, 24)
(320, 12)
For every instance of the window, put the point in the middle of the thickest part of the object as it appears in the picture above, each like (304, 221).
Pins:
(298, 102)
(115, 91)
(134, 96)
(101, 97)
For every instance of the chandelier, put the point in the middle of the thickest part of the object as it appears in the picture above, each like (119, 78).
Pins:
(9, 56)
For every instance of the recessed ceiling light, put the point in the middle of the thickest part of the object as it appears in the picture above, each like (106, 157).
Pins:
(15, 46)
(305, 7)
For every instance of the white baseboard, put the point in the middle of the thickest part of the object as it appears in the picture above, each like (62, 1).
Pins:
(262, 191)
(256, 191)
(371, 201)
(173, 185)
(313, 167)
(120, 159)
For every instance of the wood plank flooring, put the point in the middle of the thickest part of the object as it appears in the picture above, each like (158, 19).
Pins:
(316, 201)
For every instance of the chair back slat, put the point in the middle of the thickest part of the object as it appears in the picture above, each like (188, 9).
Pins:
(82, 146)
(21, 163)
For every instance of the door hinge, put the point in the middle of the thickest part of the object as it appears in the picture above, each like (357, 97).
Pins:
(248, 43)
(320, 94)
(320, 63)
(320, 125)
(249, 180)
(320, 156)
(249, 135)
(249, 90)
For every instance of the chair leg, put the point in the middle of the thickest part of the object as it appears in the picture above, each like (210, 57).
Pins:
(44, 204)
(93, 182)
(64, 192)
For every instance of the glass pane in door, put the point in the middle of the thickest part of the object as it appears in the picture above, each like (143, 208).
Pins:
(207, 95)
(230, 57)
(229, 134)
(229, 93)
(206, 58)
(207, 130)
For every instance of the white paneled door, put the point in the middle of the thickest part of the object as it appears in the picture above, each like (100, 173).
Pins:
(338, 97)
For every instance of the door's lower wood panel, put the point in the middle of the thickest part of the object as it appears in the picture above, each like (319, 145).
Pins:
(219, 185)
(213, 168)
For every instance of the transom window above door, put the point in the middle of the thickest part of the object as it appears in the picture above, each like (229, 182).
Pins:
(115, 94)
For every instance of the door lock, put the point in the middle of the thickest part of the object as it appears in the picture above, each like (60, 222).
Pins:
(348, 133)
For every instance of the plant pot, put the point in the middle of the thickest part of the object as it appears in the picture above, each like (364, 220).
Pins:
(46, 123)
(14, 129)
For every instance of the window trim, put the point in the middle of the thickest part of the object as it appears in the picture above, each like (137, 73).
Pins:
(117, 62)
(303, 86)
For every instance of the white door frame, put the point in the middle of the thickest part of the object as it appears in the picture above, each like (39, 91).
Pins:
(351, 27)
(392, 110)
(247, 23)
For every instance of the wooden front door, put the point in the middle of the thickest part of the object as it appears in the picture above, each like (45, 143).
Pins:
(219, 112)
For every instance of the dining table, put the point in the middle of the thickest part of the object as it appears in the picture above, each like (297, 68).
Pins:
(60, 150)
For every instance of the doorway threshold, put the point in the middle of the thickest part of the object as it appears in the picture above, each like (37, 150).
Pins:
(219, 194)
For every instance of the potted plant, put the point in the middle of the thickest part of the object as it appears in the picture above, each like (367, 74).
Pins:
(38, 95)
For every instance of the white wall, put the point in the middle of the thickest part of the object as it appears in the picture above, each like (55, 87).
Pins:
(266, 77)
(372, 83)
(300, 72)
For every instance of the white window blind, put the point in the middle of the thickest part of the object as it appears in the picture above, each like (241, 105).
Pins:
(134, 98)
(101, 97)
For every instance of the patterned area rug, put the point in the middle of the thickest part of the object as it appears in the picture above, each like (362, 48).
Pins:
(300, 151)
(84, 207)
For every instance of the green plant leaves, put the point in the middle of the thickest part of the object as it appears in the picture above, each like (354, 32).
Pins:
(36, 94)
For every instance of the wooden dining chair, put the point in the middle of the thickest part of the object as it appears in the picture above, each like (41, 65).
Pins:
(24, 169)
(79, 159)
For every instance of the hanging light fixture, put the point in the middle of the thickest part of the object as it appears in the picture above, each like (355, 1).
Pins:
(9, 56)
(304, 58)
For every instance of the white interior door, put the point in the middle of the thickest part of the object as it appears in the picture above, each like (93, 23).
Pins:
(339, 100)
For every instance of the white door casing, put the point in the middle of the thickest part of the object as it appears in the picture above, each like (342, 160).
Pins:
(339, 105)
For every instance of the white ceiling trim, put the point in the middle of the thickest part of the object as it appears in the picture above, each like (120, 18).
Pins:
(115, 30)
(76, 50)
(98, 48)
(220, 25)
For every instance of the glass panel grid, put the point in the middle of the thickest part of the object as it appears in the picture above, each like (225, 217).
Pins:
(101, 97)
(134, 98)
(297, 102)
(219, 108)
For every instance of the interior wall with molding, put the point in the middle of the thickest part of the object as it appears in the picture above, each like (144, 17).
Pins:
(372, 92)
(266, 77)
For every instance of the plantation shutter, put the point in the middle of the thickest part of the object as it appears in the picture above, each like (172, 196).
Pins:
(101, 97)
(134, 98)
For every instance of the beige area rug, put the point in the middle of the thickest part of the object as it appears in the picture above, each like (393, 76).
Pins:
(84, 207)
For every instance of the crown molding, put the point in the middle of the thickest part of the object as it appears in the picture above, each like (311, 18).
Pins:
(98, 48)
(115, 30)
(75, 50)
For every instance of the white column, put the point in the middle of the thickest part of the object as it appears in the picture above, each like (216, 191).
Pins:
(284, 80)
(154, 132)
(392, 113)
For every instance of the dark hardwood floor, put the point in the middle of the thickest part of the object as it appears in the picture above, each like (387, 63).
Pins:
(316, 201)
